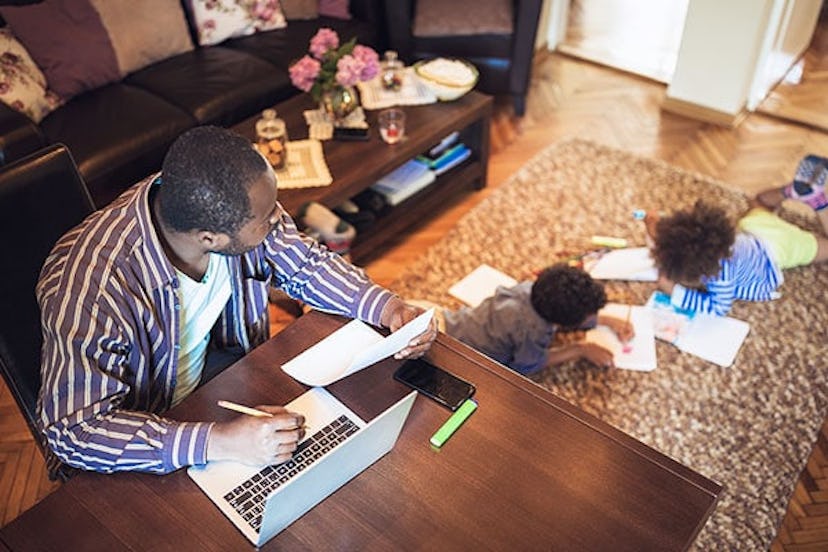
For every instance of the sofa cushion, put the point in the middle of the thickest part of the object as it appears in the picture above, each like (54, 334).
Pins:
(215, 85)
(463, 17)
(117, 135)
(299, 9)
(218, 20)
(284, 46)
(494, 46)
(22, 84)
(83, 44)
(338, 9)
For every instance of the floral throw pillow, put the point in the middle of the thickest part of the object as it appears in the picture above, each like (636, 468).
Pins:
(218, 20)
(22, 83)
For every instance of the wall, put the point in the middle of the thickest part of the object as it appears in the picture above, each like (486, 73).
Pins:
(719, 53)
(732, 53)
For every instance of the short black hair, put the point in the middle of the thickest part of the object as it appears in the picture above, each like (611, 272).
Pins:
(566, 295)
(205, 179)
(691, 243)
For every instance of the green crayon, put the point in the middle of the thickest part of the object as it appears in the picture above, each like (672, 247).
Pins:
(453, 423)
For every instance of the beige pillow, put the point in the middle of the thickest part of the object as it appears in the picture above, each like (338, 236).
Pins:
(300, 9)
(22, 83)
(144, 32)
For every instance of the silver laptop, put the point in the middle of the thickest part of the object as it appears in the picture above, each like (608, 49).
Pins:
(261, 501)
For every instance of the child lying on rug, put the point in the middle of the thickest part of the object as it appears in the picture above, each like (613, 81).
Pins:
(705, 262)
(517, 325)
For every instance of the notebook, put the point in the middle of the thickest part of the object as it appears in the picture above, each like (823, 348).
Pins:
(716, 339)
(640, 352)
(262, 501)
(632, 263)
(479, 284)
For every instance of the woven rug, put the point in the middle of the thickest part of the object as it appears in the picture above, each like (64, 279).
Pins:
(750, 427)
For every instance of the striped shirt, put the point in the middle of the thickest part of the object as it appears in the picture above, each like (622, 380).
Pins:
(749, 274)
(110, 321)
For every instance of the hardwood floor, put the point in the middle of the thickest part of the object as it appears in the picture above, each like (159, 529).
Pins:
(568, 98)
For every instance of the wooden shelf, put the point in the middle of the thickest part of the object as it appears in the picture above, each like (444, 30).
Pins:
(356, 166)
(416, 209)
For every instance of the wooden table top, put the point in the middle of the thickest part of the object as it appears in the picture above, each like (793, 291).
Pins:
(356, 165)
(527, 471)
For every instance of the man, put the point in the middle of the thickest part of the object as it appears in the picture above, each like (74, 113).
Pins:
(142, 300)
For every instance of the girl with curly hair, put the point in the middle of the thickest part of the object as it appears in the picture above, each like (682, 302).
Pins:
(706, 261)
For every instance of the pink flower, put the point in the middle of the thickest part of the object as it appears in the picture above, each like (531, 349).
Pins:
(325, 39)
(303, 73)
(348, 70)
(370, 61)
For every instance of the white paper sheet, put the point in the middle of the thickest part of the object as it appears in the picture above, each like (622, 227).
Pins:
(479, 284)
(639, 353)
(716, 339)
(632, 263)
(351, 348)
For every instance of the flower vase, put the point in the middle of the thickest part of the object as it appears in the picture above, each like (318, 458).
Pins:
(338, 102)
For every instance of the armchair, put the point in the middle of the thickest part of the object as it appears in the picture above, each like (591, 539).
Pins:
(41, 197)
(500, 44)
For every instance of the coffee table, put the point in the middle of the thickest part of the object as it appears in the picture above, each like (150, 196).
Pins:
(357, 165)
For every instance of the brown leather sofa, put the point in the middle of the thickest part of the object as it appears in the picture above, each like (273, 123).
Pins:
(119, 133)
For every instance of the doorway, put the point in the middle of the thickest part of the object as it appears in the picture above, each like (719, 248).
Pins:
(637, 36)
(802, 96)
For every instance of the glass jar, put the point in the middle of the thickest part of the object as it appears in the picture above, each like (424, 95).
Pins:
(391, 71)
(271, 138)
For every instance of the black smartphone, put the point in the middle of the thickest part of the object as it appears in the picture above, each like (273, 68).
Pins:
(435, 383)
(351, 134)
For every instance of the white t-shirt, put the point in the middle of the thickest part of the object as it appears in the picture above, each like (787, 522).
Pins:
(201, 305)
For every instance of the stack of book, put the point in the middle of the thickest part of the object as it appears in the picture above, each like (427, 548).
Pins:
(445, 155)
(404, 181)
(416, 174)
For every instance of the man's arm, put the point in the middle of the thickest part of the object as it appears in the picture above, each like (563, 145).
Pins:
(307, 271)
(324, 280)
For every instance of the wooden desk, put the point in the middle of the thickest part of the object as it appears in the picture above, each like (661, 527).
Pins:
(527, 471)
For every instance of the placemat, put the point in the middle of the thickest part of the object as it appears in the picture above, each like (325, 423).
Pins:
(413, 91)
(305, 167)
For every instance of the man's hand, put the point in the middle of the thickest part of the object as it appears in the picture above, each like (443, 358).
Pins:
(255, 440)
(596, 355)
(397, 314)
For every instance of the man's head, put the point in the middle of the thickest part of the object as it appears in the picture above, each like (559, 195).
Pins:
(566, 296)
(691, 243)
(214, 182)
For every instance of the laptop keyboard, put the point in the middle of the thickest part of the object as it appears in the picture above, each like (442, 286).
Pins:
(248, 499)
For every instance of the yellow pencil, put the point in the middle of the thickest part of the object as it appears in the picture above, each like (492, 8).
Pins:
(627, 347)
(240, 408)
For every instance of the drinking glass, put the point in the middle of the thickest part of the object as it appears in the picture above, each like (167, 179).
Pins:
(391, 125)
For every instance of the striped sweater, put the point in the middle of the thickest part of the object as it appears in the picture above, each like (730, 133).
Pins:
(749, 274)
(110, 322)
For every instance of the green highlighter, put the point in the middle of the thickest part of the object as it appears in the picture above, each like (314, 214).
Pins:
(453, 423)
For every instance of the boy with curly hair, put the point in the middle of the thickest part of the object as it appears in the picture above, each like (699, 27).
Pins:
(518, 324)
(706, 262)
